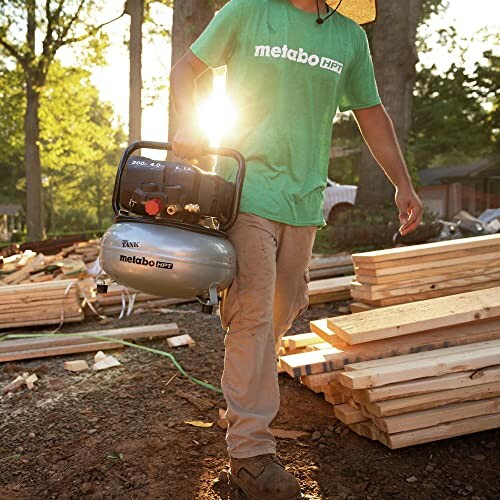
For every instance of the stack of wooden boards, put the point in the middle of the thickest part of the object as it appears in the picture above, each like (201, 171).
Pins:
(436, 337)
(419, 272)
(40, 304)
(11, 350)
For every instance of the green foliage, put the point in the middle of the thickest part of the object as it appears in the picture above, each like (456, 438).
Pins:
(456, 113)
(80, 148)
(11, 135)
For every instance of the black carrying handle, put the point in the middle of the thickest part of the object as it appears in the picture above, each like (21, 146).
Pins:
(167, 146)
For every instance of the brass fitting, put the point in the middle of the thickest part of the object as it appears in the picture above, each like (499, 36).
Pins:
(173, 209)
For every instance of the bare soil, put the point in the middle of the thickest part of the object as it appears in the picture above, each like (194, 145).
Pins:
(121, 433)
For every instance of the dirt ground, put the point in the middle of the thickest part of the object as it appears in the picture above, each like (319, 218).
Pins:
(121, 433)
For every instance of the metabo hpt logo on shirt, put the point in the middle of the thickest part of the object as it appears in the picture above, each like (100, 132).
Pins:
(298, 56)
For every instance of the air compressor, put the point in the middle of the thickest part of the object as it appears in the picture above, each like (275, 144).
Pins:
(171, 221)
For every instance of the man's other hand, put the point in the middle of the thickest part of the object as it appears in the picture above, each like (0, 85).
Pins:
(410, 210)
(189, 143)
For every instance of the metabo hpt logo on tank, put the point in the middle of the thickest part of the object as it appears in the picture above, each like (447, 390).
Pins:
(298, 56)
(142, 261)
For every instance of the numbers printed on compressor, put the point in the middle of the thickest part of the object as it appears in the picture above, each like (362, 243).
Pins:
(142, 163)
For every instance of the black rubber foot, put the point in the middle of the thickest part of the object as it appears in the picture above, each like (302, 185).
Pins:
(207, 309)
(102, 288)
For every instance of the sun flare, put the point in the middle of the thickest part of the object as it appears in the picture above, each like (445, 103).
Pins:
(217, 113)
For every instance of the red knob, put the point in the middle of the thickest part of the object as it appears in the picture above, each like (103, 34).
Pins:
(153, 206)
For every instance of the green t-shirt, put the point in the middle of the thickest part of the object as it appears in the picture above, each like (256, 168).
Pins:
(287, 76)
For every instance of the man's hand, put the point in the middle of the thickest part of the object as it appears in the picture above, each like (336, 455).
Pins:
(410, 210)
(189, 143)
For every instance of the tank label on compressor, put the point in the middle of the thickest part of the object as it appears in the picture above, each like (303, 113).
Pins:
(142, 261)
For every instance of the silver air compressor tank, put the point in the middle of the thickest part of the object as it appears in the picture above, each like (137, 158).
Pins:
(167, 261)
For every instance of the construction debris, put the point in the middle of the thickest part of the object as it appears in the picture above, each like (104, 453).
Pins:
(409, 373)
(78, 365)
(18, 382)
(103, 362)
(181, 340)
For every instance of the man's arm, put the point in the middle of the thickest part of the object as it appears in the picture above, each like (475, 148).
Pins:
(189, 141)
(378, 132)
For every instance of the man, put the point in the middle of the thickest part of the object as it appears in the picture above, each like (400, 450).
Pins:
(289, 70)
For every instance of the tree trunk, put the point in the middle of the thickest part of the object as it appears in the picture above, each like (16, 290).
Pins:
(394, 58)
(190, 19)
(34, 203)
(135, 8)
(34, 199)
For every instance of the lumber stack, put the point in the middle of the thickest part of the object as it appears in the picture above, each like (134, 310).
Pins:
(424, 397)
(39, 304)
(433, 338)
(420, 272)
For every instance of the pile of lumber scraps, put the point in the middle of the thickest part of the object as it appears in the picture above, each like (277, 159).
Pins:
(329, 267)
(29, 348)
(419, 272)
(39, 304)
(32, 267)
(424, 397)
(388, 335)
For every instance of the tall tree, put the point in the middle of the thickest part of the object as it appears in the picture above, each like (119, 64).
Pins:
(60, 24)
(135, 9)
(393, 39)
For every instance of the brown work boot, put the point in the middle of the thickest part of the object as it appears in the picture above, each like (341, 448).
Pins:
(263, 477)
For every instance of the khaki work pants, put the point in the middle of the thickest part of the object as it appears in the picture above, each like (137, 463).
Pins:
(269, 291)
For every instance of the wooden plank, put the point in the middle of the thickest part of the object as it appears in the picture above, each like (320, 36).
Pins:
(356, 307)
(482, 266)
(330, 272)
(418, 266)
(427, 385)
(426, 355)
(435, 248)
(321, 291)
(438, 432)
(320, 328)
(334, 398)
(436, 416)
(302, 340)
(433, 400)
(320, 379)
(331, 261)
(443, 257)
(341, 358)
(57, 351)
(433, 279)
(39, 305)
(412, 318)
(368, 292)
(366, 429)
(130, 333)
(349, 415)
(34, 288)
(47, 321)
(430, 295)
(433, 366)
